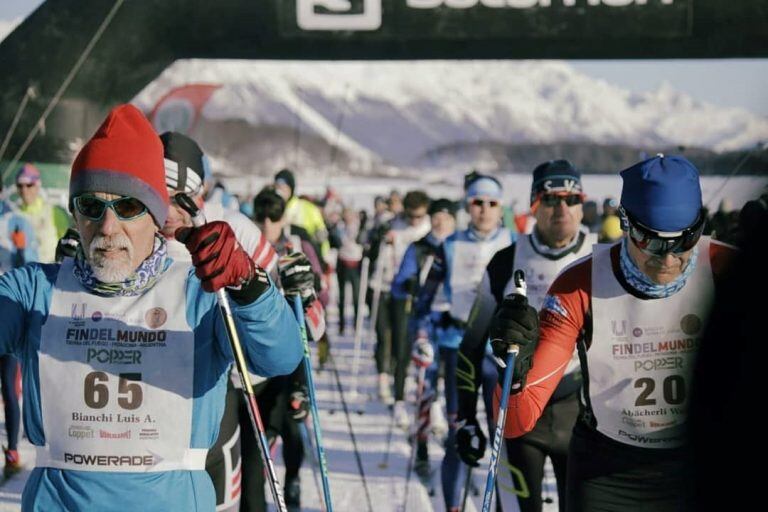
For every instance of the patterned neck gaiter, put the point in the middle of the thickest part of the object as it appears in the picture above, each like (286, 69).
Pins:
(644, 284)
(143, 279)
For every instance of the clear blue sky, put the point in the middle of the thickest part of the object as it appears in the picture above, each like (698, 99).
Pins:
(726, 82)
(12, 9)
(736, 82)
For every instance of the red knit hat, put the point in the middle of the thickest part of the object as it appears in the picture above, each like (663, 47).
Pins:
(125, 157)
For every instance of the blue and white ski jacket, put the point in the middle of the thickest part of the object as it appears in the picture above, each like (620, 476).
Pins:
(465, 255)
(123, 396)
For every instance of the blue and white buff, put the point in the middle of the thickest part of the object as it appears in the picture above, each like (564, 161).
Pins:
(643, 284)
(142, 279)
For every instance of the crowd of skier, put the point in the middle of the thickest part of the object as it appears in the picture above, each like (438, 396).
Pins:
(159, 329)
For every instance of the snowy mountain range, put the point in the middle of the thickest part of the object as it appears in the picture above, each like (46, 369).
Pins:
(401, 113)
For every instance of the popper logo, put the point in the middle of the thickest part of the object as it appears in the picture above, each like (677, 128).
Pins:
(338, 14)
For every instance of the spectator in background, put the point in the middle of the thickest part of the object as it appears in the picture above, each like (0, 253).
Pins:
(610, 231)
(48, 221)
(381, 213)
(610, 227)
(350, 234)
(610, 206)
(395, 203)
(591, 217)
(752, 219)
(302, 212)
(725, 222)
(17, 247)
(387, 249)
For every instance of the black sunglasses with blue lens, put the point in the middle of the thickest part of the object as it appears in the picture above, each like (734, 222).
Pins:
(655, 243)
(125, 208)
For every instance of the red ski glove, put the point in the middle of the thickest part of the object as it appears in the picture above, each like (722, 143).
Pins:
(218, 258)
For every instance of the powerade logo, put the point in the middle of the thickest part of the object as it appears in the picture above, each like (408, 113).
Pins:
(80, 459)
(366, 15)
(641, 439)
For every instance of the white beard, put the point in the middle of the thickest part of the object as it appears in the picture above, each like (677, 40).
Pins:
(111, 270)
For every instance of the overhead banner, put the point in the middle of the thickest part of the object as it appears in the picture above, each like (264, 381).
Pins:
(487, 19)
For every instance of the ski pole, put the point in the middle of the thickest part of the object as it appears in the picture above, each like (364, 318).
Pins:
(359, 321)
(467, 484)
(415, 440)
(298, 309)
(198, 219)
(385, 458)
(512, 352)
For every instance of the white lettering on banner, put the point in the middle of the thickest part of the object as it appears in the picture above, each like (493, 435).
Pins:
(521, 4)
(340, 18)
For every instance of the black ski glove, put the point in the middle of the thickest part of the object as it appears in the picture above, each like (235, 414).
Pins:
(296, 275)
(67, 245)
(515, 323)
(470, 442)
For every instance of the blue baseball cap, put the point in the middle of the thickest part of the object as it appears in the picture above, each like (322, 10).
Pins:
(555, 176)
(484, 186)
(662, 193)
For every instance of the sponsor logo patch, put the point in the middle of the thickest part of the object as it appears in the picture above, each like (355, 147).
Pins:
(552, 303)
(80, 432)
(155, 317)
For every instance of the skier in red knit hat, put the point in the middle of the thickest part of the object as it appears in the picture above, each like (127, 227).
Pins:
(125, 355)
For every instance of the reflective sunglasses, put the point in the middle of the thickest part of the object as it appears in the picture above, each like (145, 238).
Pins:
(657, 243)
(552, 200)
(492, 203)
(125, 208)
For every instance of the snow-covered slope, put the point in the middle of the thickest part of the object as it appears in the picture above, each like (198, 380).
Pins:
(396, 112)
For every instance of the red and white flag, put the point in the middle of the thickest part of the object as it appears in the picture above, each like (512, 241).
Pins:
(180, 108)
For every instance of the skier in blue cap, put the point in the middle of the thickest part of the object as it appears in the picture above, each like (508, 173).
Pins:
(635, 311)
